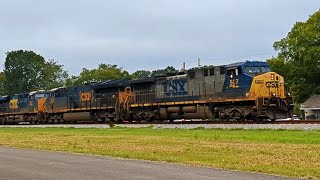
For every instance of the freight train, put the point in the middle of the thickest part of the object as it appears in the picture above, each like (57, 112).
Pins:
(239, 91)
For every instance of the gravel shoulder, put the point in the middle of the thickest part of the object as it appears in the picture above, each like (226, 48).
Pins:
(306, 127)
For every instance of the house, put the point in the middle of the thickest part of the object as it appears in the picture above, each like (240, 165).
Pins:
(311, 108)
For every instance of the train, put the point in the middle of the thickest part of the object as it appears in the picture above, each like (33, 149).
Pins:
(239, 91)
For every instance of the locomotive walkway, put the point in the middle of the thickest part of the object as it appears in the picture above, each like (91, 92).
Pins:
(33, 164)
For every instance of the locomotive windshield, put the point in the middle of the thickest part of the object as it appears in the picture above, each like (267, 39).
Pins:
(256, 69)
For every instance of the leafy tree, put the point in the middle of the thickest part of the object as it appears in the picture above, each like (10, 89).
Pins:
(2, 81)
(161, 72)
(141, 74)
(27, 71)
(54, 75)
(301, 52)
(70, 81)
(280, 66)
(103, 72)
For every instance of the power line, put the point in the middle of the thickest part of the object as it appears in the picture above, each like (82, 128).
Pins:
(234, 57)
(231, 57)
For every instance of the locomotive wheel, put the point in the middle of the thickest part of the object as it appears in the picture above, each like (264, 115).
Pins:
(257, 119)
(156, 118)
(241, 118)
(238, 116)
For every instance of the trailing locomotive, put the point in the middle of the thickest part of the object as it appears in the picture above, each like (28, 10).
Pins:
(245, 90)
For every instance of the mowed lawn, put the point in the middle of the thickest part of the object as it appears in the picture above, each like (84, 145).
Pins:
(291, 153)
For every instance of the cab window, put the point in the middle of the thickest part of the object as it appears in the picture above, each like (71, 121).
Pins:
(251, 69)
(265, 69)
(256, 69)
(234, 72)
(231, 72)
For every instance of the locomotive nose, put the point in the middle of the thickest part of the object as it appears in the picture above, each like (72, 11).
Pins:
(267, 85)
(275, 85)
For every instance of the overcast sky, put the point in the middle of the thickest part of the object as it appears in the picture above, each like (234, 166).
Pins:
(148, 34)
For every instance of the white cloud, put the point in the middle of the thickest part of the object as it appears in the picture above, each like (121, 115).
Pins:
(146, 34)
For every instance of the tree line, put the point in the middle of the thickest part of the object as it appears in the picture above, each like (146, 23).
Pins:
(298, 60)
(26, 71)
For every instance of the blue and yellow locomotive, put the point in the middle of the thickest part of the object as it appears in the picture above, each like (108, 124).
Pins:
(245, 90)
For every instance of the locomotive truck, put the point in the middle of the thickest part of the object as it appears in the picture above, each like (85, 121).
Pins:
(240, 91)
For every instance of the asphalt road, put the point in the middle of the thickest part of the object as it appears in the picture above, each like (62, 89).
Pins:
(33, 164)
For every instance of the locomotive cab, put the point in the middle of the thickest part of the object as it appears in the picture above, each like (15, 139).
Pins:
(38, 100)
(57, 100)
(239, 76)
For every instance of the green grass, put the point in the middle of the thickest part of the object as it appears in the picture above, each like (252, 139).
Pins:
(291, 153)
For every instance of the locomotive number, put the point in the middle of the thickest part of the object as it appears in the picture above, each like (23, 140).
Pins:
(234, 83)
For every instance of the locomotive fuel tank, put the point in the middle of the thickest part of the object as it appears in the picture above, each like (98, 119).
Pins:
(77, 116)
(14, 119)
(186, 112)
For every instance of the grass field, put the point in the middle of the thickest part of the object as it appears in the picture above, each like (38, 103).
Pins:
(291, 153)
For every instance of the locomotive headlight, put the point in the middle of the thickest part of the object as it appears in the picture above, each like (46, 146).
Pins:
(272, 76)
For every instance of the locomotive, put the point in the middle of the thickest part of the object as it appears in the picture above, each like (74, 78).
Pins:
(240, 91)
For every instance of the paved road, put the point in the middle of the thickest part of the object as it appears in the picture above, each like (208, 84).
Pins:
(32, 164)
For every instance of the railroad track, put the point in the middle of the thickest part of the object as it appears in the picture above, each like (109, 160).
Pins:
(191, 122)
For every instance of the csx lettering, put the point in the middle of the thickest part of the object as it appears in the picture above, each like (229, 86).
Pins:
(272, 84)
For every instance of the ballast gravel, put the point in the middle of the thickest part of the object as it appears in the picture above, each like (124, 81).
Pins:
(229, 126)
(305, 127)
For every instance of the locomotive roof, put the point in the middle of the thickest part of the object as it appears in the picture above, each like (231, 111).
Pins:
(55, 89)
(4, 98)
(143, 80)
(34, 92)
(250, 63)
(110, 83)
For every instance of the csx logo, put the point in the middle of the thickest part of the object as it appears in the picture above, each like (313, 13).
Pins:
(85, 96)
(14, 104)
(272, 84)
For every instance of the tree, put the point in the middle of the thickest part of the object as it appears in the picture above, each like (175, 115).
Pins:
(103, 72)
(27, 71)
(2, 81)
(141, 74)
(54, 75)
(161, 72)
(301, 52)
(280, 66)
(71, 81)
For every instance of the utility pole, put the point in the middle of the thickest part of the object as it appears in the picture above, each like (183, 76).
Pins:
(184, 66)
